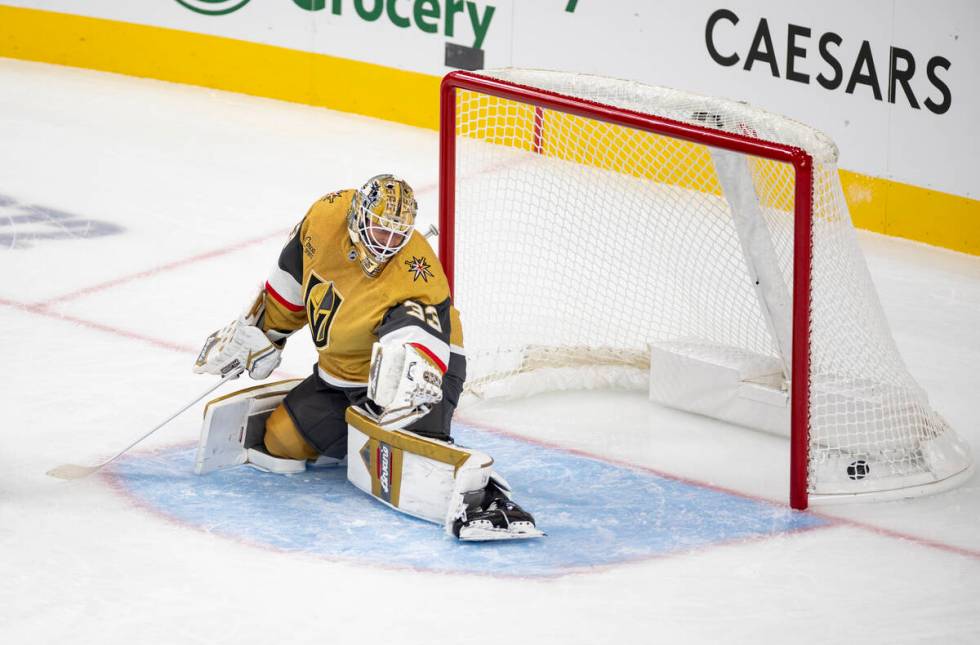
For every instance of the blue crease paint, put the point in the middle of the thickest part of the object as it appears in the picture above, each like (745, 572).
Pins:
(595, 513)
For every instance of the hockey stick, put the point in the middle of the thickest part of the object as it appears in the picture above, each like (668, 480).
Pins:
(73, 471)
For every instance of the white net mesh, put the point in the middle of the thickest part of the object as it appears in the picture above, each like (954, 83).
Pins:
(579, 243)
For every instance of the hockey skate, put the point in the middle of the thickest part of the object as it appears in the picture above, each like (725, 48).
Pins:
(496, 517)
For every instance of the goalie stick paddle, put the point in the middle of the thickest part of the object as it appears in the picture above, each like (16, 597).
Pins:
(74, 471)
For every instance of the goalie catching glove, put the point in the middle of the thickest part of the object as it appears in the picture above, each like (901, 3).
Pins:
(403, 384)
(238, 347)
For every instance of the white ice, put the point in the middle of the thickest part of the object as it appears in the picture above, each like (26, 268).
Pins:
(97, 335)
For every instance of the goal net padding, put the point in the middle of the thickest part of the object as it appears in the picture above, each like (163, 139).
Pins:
(604, 233)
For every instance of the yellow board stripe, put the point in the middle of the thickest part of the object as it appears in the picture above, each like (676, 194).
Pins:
(221, 63)
(879, 205)
(912, 212)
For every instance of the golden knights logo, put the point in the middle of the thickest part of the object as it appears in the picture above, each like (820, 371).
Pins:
(419, 268)
(322, 303)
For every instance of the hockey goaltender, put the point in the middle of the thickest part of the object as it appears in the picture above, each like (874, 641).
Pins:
(388, 377)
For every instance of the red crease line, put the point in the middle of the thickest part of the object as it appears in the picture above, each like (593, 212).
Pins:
(42, 310)
(833, 520)
(207, 255)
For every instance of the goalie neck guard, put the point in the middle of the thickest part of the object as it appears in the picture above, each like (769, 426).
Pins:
(380, 221)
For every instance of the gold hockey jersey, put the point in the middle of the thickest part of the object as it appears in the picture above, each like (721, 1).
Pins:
(318, 282)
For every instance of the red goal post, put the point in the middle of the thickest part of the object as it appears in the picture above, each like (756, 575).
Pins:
(506, 89)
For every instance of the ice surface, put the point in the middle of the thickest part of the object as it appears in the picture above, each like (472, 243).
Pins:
(626, 515)
(138, 216)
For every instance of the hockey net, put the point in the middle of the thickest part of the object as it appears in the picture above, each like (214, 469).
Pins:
(601, 232)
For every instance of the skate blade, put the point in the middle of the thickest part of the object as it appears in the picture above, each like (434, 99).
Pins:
(487, 535)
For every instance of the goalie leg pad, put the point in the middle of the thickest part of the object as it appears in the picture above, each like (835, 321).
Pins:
(434, 480)
(413, 474)
(236, 422)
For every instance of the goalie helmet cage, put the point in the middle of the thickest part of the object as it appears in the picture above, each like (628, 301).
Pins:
(587, 221)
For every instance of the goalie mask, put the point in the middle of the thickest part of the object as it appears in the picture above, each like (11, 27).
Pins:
(380, 221)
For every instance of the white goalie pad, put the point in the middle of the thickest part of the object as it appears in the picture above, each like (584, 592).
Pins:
(234, 423)
(416, 475)
(722, 382)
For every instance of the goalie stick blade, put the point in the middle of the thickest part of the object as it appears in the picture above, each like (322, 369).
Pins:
(476, 534)
(72, 471)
